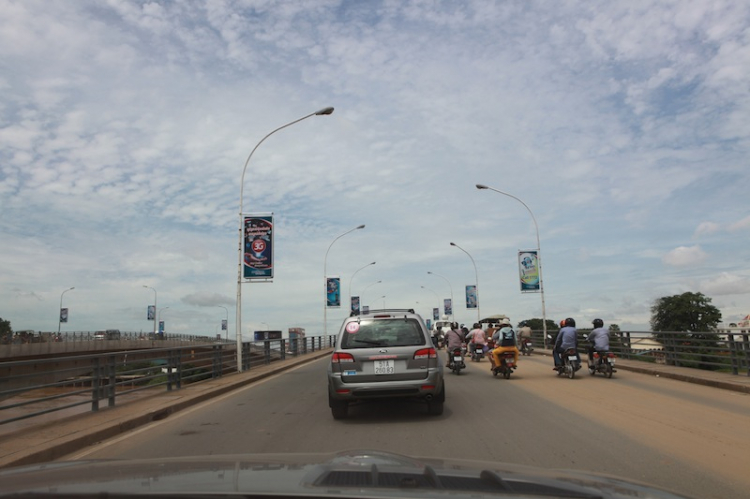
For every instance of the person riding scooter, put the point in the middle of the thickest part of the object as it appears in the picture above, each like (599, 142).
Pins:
(505, 341)
(567, 339)
(599, 339)
(453, 339)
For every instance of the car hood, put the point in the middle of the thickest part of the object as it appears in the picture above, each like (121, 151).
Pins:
(358, 473)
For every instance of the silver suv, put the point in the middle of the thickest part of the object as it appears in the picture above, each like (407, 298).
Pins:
(384, 354)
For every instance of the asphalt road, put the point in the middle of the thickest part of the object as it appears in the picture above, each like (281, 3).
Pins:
(688, 438)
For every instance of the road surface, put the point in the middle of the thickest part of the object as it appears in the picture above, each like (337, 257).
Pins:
(688, 438)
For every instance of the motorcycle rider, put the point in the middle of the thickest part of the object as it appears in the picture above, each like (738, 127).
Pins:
(524, 333)
(599, 339)
(505, 341)
(453, 339)
(477, 338)
(567, 338)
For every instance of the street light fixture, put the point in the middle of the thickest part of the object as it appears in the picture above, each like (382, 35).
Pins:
(59, 312)
(476, 274)
(352, 278)
(238, 325)
(538, 254)
(152, 289)
(451, 288)
(325, 284)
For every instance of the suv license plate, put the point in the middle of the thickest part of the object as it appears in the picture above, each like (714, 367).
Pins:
(385, 367)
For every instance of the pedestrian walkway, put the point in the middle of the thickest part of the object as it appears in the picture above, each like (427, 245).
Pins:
(52, 440)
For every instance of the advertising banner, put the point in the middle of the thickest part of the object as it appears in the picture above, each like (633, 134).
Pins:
(258, 247)
(435, 314)
(63, 315)
(151, 313)
(471, 296)
(365, 309)
(266, 335)
(223, 324)
(448, 306)
(161, 327)
(333, 292)
(528, 267)
(355, 304)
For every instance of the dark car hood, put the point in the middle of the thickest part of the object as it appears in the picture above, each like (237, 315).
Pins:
(372, 474)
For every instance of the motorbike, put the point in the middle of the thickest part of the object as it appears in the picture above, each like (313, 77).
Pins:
(477, 354)
(602, 362)
(570, 363)
(507, 365)
(456, 361)
(526, 347)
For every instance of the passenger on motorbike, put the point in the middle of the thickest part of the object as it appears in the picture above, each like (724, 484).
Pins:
(524, 333)
(476, 338)
(567, 338)
(505, 341)
(453, 339)
(599, 339)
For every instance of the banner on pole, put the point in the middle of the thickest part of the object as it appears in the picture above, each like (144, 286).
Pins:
(435, 313)
(151, 313)
(355, 304)
(471, 296)
(223, 324)
(63, 315)
(258, 247)
(448, 306)
(528, 267)
(333, 292)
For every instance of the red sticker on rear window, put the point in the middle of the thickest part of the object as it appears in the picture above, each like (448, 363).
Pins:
(352, 327)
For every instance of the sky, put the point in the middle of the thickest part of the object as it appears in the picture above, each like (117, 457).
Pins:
(125, 126)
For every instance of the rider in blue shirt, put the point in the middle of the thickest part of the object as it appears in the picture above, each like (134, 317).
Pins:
(567, 338)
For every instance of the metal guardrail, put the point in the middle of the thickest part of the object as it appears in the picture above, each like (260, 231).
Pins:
(726, 351)
(31, 388)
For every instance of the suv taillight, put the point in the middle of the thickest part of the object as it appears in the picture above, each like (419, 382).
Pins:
(425, 353)
(339, 357)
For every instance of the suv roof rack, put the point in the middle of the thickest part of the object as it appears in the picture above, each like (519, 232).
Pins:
(382, 310)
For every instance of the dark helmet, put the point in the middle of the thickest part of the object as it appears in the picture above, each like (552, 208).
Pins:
(570, 322)
(598, 323)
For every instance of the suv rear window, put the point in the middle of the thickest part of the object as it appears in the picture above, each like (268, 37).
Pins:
(382, 333)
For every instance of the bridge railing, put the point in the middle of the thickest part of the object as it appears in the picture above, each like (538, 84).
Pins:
(79, 383)
(722, 350)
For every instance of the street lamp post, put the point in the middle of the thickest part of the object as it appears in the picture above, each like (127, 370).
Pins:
(383, 298)
(538, 255)
(476, 275)
(238, 325)
(352, 278)
(227, 318)
(436, 297)
(362, 294)
(325, 284)
(451, 288)
(155, 318)
(159, 316)
(59, 312)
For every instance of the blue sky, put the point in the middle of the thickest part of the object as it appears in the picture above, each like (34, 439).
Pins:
(124, 127)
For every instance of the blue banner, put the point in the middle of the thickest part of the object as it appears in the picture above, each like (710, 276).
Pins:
(333, 292)
(448, 306)
(355, 304)
(471, 296)
(528, 267)
(258, 247)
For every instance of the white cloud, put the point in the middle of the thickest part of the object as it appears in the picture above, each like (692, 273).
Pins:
(740, 225)
(726, 284)
(685, 256)
(706, 228)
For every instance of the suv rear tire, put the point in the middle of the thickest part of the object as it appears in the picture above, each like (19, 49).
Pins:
(339, 408)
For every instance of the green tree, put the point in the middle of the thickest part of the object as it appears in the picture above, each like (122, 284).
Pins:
(693, 317)
(6, 332)
(685, 312)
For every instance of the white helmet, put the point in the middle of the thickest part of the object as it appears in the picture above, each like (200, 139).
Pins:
(505, 322)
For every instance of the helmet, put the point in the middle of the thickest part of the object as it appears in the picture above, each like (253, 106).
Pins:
(570, 322)
(598, 323)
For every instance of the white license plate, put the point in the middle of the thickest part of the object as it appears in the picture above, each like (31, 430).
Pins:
(611, 360)
(385, 367)
(573, 358)
(457, 358)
